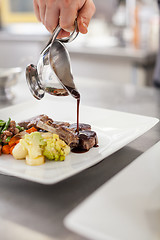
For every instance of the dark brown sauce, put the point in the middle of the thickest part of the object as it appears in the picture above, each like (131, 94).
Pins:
(78, 102)
(79, 150)
(76, 95)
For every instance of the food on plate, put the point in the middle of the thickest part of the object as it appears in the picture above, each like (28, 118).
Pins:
(40, 138)
(33, 143)
(37, 146)
(85, 139)
(55, 148)
(8, 129)
(19, 152)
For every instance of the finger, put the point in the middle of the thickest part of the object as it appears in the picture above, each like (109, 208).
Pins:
(42, 10)
(36, 10)
(67, 18)
(85, 15)
(51, 17)
(63, 34)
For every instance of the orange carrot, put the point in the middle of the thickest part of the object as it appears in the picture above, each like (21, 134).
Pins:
(6, 149)
(32, 129)
(11, 148)
(17, 141)
(14, 140)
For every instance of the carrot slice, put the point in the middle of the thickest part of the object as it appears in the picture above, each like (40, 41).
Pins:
(32, 129)
(11, 148)
(6, 149)
(14, 140)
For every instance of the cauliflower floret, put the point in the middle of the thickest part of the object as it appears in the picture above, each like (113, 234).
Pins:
(34, 144)
(56, 149)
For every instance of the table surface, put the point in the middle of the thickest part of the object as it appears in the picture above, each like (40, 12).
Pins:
(33, 210)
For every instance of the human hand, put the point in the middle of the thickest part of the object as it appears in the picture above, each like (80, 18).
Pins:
(64, 12)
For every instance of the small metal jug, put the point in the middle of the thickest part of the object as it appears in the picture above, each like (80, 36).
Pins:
(52, 73)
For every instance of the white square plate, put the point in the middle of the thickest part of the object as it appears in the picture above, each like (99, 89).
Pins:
(114, 130)
(125, 208)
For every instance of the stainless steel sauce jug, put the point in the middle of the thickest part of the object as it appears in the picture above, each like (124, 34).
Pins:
(52, 73)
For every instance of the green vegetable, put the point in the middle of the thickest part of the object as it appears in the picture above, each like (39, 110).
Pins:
(1, 130)
(20, 128)
(34, 144)
(56, 149)
(6, 125)
(2, 123)
(8, 139)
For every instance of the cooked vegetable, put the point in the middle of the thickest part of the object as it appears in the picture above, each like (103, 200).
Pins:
(6, 125)
(6, 149)
(20, 128)
(32, 129)
(56, 149)
(8, 139)
(47, 135)
(11, 149)
(0, 149)
(35, 161)
(14, 140)
(18, 151)
(34, 144)
(2, 123)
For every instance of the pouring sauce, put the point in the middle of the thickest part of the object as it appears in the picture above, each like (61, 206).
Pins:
(78, 102)
(76, 95)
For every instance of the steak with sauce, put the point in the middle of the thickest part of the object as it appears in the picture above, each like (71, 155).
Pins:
(86, 138)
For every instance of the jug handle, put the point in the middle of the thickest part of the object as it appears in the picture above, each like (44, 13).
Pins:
(73, 35)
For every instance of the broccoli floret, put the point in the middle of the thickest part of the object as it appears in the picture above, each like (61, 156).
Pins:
(34, 143)
(56, 149)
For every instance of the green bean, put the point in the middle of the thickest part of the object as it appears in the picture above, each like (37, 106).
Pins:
(1, 129)
(2, 123)
(8, 139)
(20, 128)
(6, 125)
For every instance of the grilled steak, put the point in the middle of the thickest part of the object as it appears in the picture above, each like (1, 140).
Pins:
(86, 138)
(32, 122)
(62, 129)
(82, 126)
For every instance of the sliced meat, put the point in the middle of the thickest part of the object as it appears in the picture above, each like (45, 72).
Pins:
(82, 126)
(66, 134)
(87, 139)
(32, 122)
(47, 126)
(69, 136)
(60, 124)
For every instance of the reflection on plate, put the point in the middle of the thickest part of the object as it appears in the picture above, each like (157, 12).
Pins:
(125, 208)
(114, 130)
